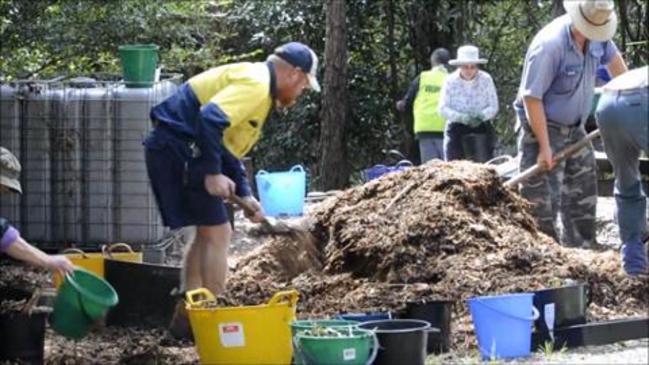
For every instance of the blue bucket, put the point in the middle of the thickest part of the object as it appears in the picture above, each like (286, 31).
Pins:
(282, 193)
(365, 316)
(503, 324)
(377, 171)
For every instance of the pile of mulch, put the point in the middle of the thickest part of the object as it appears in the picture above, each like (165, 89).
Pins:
(438, 231)
(18, 282)
(117, 345)
(21, 276)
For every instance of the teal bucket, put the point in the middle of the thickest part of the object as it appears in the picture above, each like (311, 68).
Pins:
(359, 347)
(282, 193)
(139, 63)
(303, 325)
(503, 324)
(81, 300)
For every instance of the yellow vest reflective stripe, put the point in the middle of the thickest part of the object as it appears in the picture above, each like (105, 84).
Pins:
(427, 119)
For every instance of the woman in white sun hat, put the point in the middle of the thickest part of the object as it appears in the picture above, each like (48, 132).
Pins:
(468, 101)
(554, 100)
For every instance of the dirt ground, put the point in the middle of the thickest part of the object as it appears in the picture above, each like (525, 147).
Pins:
(439, 231)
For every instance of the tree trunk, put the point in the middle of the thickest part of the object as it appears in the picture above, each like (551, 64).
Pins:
(393, 53)
(333, 165)
(557, 8)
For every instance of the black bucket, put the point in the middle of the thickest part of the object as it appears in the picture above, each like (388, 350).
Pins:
(144, 293)
(438, 314)
(476, 147)
(22, 337)
(401, 341)
(566, 304)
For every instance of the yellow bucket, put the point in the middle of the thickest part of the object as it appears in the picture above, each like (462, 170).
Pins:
(258, 334)
(94, 261)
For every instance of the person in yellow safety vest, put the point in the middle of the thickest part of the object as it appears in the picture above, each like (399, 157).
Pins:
(422, 99)
(193, 153)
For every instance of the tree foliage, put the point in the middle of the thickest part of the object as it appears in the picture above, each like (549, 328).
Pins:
(388, 44)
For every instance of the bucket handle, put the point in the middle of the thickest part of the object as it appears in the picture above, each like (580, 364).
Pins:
(404, 163)
(375, 349)
(108, 250)
(75, 250)
(289, 295)
(535, 312)
(198, 297)
(262, 172)
(297, 168)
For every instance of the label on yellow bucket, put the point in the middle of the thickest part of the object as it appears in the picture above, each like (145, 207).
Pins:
(349, 354)
(231, 334)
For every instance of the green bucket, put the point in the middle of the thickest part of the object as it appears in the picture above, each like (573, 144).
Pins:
(358, 348)
(82, 299)
(303, 325)
(139, 63)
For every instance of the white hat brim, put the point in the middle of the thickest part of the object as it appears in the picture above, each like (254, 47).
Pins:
(600, 33)
(313, 82)
(456, 62)
(12, 184)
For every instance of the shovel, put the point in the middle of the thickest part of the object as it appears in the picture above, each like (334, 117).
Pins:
(559, 157)
(270, 224)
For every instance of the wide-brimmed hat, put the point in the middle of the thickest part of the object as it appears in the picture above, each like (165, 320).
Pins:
(9, 170)
(595, 19)
(467, 55)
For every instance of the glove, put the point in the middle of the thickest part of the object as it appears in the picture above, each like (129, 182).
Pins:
(465, 119)
(475, 119)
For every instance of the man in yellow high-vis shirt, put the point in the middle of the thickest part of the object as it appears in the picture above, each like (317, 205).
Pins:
(423, 98)
(201, 133)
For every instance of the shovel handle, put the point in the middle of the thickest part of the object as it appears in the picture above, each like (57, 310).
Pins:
(559, 157)
(243, 204)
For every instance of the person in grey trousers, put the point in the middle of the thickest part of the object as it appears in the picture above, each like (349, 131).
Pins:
(421, 100)
(623, 119)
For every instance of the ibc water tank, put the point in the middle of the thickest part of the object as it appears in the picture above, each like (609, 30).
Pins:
(136, 216)
(38, 115)
(97, 165)
(65, 137)
(10, 139)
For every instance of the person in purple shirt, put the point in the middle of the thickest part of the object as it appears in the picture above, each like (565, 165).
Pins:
(11, 242)
(554, 100)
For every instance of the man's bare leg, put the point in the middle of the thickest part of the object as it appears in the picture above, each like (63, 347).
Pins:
(214, 241)
(190, 275)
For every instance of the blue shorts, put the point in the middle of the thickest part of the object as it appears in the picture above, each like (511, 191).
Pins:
(178, 184)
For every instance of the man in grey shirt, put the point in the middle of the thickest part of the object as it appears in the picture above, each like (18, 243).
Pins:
(553, 102)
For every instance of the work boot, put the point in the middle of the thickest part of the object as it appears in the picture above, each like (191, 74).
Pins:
(634, 258)
(180, 327)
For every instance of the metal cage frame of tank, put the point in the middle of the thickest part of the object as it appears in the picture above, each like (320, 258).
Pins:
(83, 174)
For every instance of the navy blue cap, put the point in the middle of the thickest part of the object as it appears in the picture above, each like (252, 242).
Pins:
(300, 55)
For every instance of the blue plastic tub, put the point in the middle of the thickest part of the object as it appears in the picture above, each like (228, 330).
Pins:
(365, 316)
(282, 193)
(503, 324)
